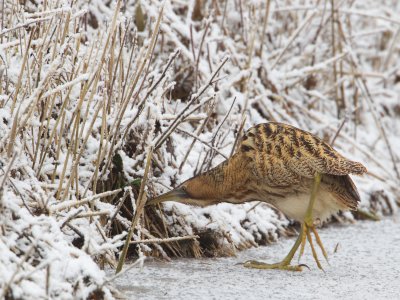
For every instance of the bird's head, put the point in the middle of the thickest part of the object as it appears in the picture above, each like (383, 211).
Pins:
(199, 191)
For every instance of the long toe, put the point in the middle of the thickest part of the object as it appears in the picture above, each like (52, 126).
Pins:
(253, 264)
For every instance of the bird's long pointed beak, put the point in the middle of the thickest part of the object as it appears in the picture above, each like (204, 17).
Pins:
(177, 195)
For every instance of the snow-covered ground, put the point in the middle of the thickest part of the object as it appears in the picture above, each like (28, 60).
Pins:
(366, 265)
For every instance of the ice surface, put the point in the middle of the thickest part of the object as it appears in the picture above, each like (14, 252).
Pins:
(365, 266)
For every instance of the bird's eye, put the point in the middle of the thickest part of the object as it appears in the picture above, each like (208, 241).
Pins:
(183, 188)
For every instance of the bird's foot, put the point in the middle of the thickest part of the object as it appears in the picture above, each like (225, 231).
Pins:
(307, 228)
(253, 264)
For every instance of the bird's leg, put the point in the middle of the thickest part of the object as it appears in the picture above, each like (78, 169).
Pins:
(303, 241)
(307, 236)
(314, 253)
(319, 242)
(285, 263)
(308, 218)
(308, 223)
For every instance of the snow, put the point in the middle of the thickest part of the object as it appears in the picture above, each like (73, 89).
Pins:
(364, 266)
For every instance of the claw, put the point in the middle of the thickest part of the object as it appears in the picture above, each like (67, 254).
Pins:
(304, 265)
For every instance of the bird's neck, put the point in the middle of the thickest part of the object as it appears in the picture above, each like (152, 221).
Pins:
(223, 181)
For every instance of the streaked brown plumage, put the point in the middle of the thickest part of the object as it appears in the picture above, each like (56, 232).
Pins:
(277, 163)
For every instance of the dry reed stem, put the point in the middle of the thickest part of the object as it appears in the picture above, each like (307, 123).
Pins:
(142, 198)
(201, 141)
(70, 203)
(199, 130)
(166, 240)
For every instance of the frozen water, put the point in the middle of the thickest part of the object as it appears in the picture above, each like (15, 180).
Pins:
(366, 265)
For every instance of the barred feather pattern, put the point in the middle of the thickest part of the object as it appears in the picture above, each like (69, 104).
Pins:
(283, 153)
(285, 160)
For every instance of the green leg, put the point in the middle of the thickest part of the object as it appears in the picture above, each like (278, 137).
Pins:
(301, 239)
(285, 263)
(308, 218)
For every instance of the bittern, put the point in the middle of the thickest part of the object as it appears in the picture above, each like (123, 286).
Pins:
(289, 168)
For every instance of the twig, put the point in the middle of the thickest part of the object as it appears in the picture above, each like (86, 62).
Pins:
(238, 135)
(141, 105)
(223, 121)
(117, 209)
(139, 261)
(71, 203)
(72, 216)
(338, 131)
(166, 240)
(203, 142)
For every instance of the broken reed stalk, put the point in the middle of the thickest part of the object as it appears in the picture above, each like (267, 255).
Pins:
(92, 214)
(166, 240)
(67, 204)
(142, 198)
(73, 216)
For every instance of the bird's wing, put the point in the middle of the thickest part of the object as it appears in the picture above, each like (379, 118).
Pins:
(282, 154)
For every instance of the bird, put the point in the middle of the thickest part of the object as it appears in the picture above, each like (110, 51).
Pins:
(291, 169)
